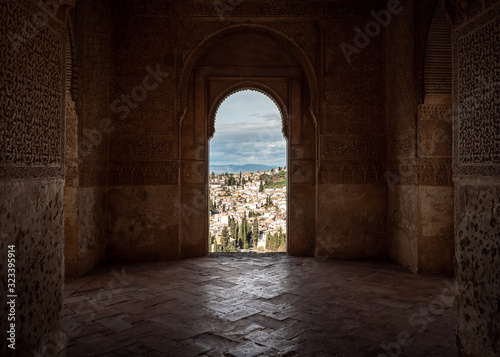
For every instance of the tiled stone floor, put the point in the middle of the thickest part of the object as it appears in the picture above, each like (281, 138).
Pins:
(259, 305)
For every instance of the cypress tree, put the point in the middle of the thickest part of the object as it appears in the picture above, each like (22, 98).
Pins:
(244, 230)
(255, 232)
(225, 239)
(242, 236)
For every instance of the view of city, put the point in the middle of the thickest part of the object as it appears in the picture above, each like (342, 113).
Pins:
(248, 211)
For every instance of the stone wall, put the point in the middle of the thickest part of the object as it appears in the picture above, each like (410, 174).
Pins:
(373, 170)
(434, 144)
(143, 195)
(352, 194)
(32, 173)
(367, 148)
(419, 175)
(71, 174)
(149, 36)
(476, 162)
(86, 191)
(401, 173)
(435, 190)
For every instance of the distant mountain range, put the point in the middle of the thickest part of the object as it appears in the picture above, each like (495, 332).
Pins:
(235, 169)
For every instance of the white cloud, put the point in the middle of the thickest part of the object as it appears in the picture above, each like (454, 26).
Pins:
(248, 131)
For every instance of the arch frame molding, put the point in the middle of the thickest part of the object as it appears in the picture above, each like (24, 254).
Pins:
(242, 29)
(206, 87)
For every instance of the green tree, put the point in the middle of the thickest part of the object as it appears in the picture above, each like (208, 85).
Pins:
(241, 241)
(231, 226)
(276, 241)
(244, 231)
(261, 187)
(225, 239)
(241, 238)
(213, 207)
(213, 244)
(271, 241)
(255, 232)
(280, 239)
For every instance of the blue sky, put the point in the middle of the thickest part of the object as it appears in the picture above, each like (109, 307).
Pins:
(248, 131)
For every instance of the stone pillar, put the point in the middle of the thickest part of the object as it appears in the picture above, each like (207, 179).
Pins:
(194, 195)
(476, 170)
(435, 188)
(32, 175)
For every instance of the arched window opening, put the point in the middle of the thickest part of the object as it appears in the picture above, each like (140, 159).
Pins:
(248, 175)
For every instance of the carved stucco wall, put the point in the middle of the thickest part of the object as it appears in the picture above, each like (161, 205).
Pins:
(71, 188)
(32, 172)
(356, 159)
(91, 80)
(143, 195)
(476, 161)
(135, 195)
(144, 149)
(352, 195)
